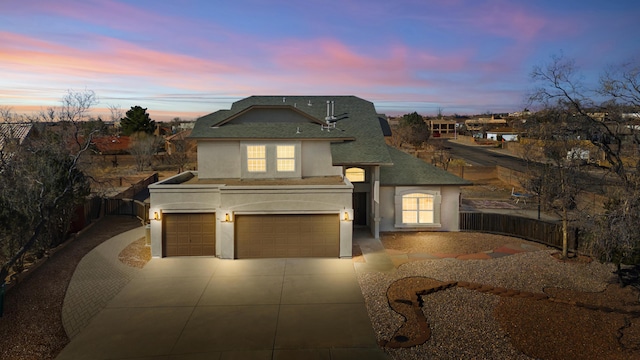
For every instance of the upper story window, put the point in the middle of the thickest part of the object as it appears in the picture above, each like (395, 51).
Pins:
(256, 158)
(286, 158)
(417, 208)
(355, 174)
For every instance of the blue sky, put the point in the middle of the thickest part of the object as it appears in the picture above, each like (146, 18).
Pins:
(189, 58)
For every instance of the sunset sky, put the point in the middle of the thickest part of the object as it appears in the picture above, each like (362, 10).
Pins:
(188, 58)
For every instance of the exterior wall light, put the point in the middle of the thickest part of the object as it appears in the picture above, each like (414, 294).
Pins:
(157, 215)
(227, 217)
(346, 216)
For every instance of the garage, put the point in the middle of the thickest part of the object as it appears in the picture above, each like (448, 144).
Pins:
(286, 236)
(189, 234)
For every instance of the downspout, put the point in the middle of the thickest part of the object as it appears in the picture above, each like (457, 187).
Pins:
(376, 201)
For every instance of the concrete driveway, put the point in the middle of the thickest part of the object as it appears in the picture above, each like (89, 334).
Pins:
(207, 308)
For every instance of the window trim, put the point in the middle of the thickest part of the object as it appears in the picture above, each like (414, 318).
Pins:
(359, 171)
(291, 159)
(263, 159)
(271, 161)
(400, 195)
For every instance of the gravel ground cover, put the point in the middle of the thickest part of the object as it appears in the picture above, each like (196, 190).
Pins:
(469, 324)
(31, 327)
(463, 323)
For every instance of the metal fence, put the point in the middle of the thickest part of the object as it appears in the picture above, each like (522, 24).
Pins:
(548, 233)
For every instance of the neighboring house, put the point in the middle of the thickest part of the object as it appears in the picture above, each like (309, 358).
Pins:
(483, 124)
(111, 145)
(11, 135)
(290, 177)
(442, 127)
(502, 134)
(179, 142)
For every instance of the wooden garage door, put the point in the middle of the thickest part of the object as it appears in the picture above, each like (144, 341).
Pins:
(265, 236)
(189, 234)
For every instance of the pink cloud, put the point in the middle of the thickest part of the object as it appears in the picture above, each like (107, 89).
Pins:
(110, 57)
(329, 61)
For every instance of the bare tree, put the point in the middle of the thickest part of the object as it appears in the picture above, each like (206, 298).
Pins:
(441, 156)
(606, 127)
(556, 172)
(143, 147)
(41, 184)
(7, 115)
(178, 151)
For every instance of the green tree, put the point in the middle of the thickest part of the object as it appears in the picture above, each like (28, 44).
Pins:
(411, 130)
(412, 119)
(137, 120)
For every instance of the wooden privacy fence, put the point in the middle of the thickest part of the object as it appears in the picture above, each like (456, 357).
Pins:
(97, 206)
(547, 233)
(127, 207)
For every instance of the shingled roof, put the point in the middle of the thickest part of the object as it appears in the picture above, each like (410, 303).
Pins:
(407, 170)
(357, 140)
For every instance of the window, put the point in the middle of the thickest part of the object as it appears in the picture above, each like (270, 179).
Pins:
(286, 158)
(256, 158)
(417, 208)
(355, 174)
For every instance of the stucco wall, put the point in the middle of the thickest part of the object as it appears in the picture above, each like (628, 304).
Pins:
(218, 159)
(234, 200)
(449, 208)
(316, 159)
(223, 159)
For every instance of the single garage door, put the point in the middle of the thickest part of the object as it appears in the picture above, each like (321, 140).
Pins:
(189, 234)
(266, 236)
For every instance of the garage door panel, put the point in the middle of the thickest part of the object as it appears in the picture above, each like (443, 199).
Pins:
(287, 236)
(189, 234)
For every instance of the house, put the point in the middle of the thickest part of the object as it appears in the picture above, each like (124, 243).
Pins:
(290, 176)
(484, 123)
(111, 144)
(502, 134)
(178, 142)
(442, 127)
(14, 134)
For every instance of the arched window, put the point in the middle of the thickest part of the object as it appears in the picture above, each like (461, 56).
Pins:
(355, 174)
(418, 208)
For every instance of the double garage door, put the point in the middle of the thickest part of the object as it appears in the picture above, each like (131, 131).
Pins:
(256, 236)
(189, 234)
(278, 236)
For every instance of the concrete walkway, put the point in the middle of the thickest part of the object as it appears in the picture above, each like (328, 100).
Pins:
(97, 279)
(207, 308)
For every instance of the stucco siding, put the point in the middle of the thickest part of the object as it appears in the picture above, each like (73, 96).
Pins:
(219, 159)
(449, 210)
(316, 159)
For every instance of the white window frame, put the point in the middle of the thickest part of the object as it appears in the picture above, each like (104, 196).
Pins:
(436, 210)
(286, 161)
(253, 159)
(271, 170)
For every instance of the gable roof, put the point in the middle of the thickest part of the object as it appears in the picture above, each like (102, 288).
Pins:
(16, 131)
(408, 170)
(358, 139)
